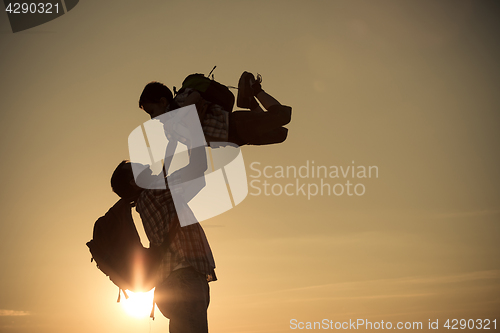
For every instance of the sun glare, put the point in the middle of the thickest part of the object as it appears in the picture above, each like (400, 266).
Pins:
(138, 304)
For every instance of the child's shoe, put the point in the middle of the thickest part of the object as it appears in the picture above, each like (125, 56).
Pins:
(248, 87)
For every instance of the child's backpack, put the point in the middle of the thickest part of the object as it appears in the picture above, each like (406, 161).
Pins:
(210, 90)
(118, 252)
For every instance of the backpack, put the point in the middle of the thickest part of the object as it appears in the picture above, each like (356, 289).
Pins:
(118, 252)
(210, 90)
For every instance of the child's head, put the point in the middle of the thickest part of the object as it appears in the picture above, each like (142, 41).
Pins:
(155, 98)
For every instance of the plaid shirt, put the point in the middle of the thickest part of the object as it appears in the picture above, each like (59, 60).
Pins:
(188, 247)
(215, 123)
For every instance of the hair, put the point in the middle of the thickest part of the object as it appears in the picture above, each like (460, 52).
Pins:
(153, 92)
(120, 181)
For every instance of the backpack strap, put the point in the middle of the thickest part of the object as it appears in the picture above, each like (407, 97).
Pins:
(119, 294)
(152, 314)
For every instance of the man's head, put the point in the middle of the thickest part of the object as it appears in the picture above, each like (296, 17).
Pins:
(155, 98)
(123, 183)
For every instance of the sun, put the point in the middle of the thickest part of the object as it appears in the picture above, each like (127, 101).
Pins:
(138, 305)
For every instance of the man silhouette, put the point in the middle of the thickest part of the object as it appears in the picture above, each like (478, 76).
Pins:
(187, 263)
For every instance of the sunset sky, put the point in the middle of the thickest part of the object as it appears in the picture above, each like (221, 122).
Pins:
(410, 88)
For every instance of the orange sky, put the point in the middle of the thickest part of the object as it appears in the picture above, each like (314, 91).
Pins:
(409, 87)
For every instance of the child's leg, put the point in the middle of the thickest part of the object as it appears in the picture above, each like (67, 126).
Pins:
(249, 88)
(246, 127)
(257, 127)
(277, 135)
(255, 106)
(266, 100)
